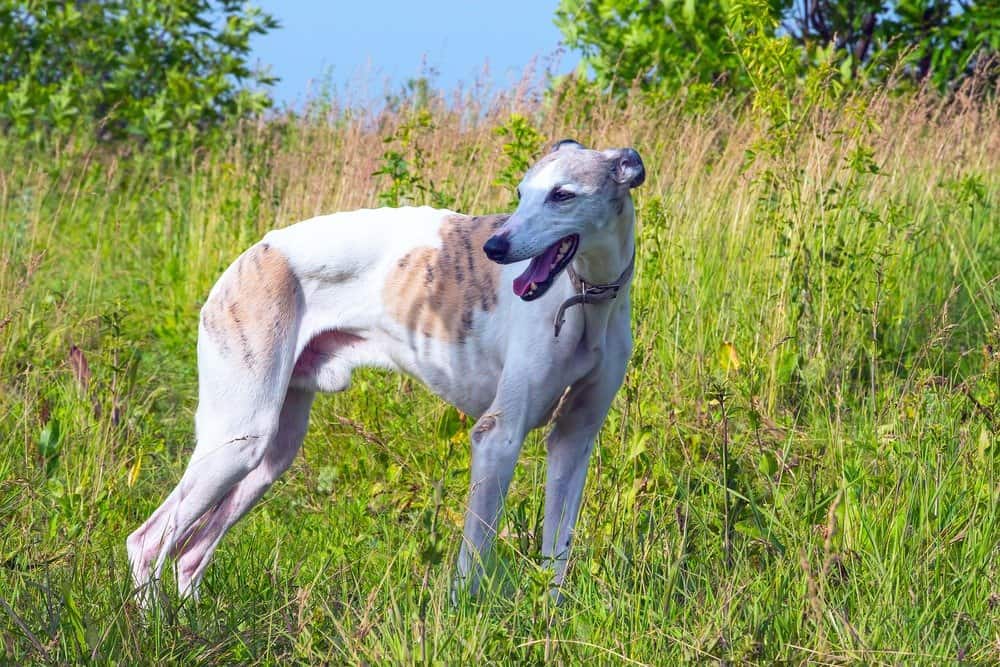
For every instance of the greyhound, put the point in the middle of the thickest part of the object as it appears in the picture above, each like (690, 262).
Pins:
(410, 290)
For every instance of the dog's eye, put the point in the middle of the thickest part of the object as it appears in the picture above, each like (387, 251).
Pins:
(561, 195)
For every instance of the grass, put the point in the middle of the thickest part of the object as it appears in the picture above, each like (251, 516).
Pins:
(802, 466)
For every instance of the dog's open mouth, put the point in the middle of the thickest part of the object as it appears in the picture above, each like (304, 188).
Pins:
(544, 268)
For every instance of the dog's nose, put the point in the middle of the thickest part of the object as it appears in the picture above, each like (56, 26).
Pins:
(496, 248)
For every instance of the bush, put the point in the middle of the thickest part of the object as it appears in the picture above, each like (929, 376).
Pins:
(669, 46)
(126, 69)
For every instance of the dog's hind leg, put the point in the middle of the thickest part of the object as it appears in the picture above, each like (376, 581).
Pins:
(145, 542)
(234, 438)
(246, 351)
(196, 551)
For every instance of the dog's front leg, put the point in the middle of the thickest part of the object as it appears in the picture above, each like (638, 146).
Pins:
(569, 445)
(496, 444)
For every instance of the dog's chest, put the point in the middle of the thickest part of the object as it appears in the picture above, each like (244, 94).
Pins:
(469, 374)
(464, 373)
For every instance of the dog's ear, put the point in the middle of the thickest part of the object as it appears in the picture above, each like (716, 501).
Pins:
(566, 143)
(629, 169)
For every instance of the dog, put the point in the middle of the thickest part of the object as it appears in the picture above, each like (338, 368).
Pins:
(515, 319)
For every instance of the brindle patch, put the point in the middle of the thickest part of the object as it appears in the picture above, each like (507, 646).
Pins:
(253, 308)
(436, 291)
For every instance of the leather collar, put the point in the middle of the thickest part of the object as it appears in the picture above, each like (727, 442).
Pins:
(592, 292)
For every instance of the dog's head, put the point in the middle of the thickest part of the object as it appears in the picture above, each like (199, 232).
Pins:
(569, 196)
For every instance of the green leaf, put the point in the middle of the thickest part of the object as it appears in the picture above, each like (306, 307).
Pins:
(49, 439)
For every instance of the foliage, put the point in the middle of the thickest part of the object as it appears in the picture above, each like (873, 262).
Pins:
(801, 466)
(405, 167)
(522, 146)
(940, 41)
(673, 45)
(126, 69)
(667, 45)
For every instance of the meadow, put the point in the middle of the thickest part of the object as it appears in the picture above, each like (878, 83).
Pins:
(802, 466)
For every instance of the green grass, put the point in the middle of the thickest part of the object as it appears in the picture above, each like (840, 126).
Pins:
(826, 320)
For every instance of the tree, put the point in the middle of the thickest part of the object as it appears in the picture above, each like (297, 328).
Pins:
(941, 41)
(653, 43)
(128, 68)
(670, 44)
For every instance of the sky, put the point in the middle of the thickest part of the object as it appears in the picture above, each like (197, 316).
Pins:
(361, 47)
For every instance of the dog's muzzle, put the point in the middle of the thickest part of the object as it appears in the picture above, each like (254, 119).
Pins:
(496, 248)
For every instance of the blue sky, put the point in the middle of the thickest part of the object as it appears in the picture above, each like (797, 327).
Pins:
(365, 45)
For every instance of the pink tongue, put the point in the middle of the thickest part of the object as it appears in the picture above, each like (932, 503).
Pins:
(537, 271)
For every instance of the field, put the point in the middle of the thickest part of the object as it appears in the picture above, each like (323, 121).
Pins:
(803, 464)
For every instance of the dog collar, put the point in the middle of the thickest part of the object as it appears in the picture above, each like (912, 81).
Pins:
(592, 292)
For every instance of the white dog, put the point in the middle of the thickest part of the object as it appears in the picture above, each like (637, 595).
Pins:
(412, 290)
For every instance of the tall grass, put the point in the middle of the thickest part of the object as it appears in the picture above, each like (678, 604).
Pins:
(802, 465)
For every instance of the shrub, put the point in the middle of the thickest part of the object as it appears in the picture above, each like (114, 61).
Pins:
(126, 69)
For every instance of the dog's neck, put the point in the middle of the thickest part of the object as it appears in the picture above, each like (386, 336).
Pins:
(607, 256)
(608, 259)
